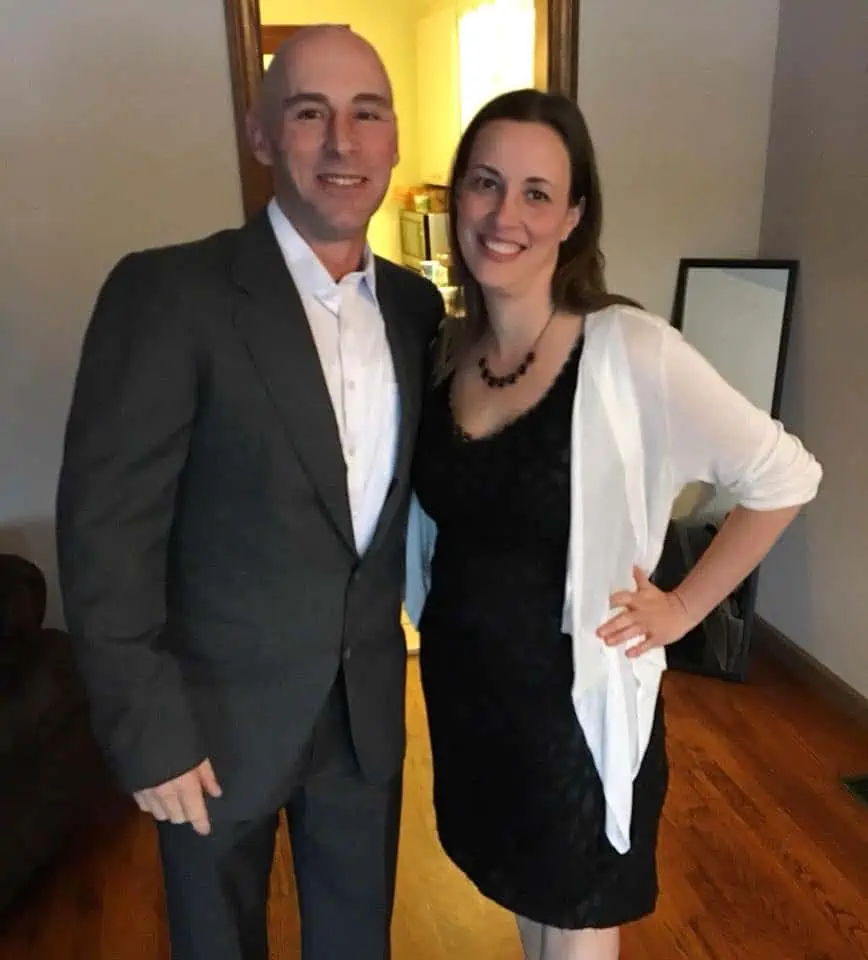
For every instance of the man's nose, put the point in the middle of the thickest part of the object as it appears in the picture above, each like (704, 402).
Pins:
(341, 135)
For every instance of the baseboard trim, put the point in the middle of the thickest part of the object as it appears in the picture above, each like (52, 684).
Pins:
(822, 681)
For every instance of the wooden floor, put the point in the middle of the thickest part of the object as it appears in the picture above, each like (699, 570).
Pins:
(763, 855)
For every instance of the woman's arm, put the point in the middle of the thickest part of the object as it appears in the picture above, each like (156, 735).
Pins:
(714, 434)
(744, 539)
(661, 618)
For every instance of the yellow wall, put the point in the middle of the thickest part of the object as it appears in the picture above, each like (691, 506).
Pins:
(438, 113)
(393, 33)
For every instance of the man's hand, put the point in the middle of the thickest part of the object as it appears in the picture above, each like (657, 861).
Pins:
(181, 800)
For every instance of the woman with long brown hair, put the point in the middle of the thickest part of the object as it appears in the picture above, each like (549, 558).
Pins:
(561, 424)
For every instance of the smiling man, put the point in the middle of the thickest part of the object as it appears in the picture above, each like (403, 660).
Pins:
(326, 125)
(231, 516)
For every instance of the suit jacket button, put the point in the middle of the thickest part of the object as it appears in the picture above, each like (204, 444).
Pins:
(347, 653)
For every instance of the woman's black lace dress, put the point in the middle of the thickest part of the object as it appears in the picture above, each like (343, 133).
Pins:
(518, 800)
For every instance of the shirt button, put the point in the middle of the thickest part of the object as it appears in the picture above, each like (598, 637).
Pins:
(351, 385)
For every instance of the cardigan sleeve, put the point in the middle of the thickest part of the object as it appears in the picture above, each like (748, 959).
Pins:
(717, 435)
(421, 538)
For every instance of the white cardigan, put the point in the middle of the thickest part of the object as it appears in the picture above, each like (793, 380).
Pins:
(650, 415)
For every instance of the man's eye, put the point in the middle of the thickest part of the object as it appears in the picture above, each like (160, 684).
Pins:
(368, 115)
(309, 113)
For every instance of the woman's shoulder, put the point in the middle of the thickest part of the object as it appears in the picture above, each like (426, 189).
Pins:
(627, 319)
(631, 342)
(641, 334)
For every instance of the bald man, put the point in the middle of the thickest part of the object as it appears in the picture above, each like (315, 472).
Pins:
(231, 518)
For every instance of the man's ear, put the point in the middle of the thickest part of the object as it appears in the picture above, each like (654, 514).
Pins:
(260, 145)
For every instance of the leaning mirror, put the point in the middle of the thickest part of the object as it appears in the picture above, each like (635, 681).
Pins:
(737, 314)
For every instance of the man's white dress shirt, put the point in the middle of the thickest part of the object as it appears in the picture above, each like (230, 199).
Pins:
(350, 336)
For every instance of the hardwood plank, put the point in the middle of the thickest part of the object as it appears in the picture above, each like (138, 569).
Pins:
(763, 854)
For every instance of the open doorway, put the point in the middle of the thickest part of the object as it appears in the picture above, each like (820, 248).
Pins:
(445, 58)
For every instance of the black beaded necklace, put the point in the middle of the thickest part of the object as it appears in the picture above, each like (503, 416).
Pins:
(498, 383)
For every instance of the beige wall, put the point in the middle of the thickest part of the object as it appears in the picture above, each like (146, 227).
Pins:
(814, 585)
(117, 134)
(722, 132)
(677, 95)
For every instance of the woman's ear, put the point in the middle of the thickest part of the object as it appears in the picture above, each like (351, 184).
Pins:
(574, 218)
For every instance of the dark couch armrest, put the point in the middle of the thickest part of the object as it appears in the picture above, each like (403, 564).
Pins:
(22, 597)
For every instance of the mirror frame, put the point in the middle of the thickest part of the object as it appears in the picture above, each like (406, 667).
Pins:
(747, 592)
(792, 266)
(556, 68)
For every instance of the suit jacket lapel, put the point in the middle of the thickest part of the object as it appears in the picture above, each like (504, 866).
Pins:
(397, 319)
(272, 321)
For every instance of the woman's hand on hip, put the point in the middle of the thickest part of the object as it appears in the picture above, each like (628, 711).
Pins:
(649, 612)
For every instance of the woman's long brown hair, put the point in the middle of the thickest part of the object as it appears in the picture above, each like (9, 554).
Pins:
(578, 283)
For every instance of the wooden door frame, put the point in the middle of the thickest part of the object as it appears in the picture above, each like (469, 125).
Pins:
(245, 65)
(556, 68)
(557, 46)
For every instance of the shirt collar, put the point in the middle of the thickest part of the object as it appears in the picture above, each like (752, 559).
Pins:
(310, 276)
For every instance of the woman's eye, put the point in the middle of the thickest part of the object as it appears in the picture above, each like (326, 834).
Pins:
(537, 196)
